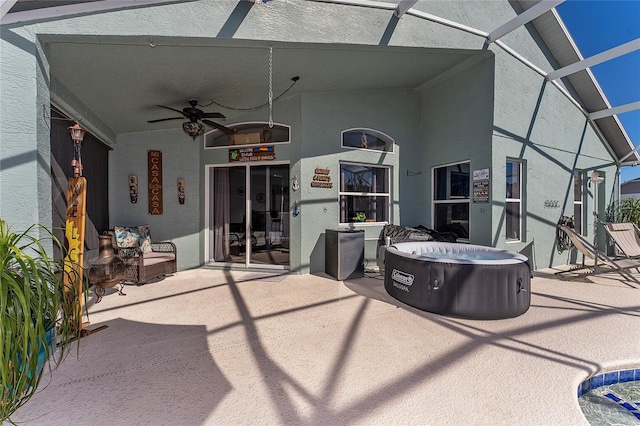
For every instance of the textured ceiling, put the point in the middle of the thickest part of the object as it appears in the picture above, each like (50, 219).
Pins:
(123, 79)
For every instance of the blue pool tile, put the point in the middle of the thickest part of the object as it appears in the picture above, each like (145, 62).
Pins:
(637, 415)
(611, 378)
(585, 387)
(628, 406)
(597, 381)
(613, 397)
(637, 374)
(626, 376)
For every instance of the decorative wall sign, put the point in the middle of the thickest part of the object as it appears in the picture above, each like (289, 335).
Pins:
(481, 192)
(133, 188)
(322, 179)
(263, 153)
(481, 174)
(181, 190)
(74, 232)
(155, 182)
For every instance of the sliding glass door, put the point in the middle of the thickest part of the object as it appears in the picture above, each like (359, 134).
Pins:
(249, 219)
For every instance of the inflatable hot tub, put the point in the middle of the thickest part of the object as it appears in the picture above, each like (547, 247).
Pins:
(461, 280)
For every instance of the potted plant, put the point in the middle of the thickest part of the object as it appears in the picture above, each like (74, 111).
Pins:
(359, 217)
(37, 315)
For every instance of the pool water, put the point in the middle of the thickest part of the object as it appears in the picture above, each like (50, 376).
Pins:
(611, 398)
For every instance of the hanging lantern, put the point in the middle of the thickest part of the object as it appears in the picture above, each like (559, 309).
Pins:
(77, 133)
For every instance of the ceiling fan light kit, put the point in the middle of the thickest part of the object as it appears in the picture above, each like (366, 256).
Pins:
(193, 129)
(196, 116)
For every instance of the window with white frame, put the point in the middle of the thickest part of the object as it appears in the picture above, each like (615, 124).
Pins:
(577, 199)
(513, 204)
(451, 199)
(364, 193)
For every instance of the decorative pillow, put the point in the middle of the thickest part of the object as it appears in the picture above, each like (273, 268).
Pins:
(144, 238)
(124, 237)
(134, 236)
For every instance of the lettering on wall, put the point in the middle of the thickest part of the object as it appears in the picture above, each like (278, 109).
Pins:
(322, 179)
(155, 182)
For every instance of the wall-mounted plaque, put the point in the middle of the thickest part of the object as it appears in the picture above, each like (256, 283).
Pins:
(481, 192)
(155, 181)
(133, 188)
(481, 174)
(263, 153)
(322, 178)
(181, 190)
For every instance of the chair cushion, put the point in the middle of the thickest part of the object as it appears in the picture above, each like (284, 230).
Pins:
(153, 258)
(134, 236)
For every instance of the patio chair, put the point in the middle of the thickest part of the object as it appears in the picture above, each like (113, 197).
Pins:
(602, 262)
(625, 237)
(144, 259)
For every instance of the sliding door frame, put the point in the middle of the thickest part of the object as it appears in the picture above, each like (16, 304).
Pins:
(209, 219)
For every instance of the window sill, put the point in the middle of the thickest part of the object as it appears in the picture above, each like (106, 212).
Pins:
(362, 223)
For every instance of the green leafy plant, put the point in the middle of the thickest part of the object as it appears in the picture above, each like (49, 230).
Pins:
(37, 315)
(359, 217)
(624, 210)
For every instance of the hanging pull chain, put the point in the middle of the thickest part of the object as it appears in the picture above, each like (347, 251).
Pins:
(270, 87)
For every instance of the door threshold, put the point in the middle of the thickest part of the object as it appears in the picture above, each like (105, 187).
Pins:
(241, 267)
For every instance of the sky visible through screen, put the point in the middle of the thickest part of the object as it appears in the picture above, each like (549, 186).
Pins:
(599, 25)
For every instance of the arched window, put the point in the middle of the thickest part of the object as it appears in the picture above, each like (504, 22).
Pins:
(251, 133)
(362, 138)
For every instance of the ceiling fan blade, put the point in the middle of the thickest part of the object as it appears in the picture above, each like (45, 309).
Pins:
(213, 115)
(219, 126)
(165, 119)
(176, 110)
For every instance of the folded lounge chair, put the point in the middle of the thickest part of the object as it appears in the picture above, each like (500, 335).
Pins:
(602, 262)
(626, 238)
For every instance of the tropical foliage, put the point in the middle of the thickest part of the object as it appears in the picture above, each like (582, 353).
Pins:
(35, 305)
(624, 210)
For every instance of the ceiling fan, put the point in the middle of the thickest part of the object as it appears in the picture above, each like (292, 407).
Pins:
(193, 127)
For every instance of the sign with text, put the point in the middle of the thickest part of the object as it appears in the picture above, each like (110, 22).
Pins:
(155, 182)
(262, 153)
(321, 179)
(481, 174)
(481, 191)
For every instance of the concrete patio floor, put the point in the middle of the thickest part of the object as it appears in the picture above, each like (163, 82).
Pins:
(213, 347)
